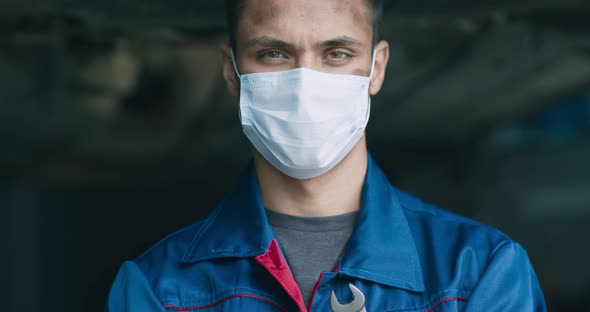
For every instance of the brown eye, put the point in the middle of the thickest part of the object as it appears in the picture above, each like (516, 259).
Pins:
(337, 55)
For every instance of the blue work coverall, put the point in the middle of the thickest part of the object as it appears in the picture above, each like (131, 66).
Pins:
(404, 255)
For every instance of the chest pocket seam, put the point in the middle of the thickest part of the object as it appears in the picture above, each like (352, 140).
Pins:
(435, 301)
(221, 297)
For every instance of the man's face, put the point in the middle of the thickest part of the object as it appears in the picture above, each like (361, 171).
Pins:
(331, 36)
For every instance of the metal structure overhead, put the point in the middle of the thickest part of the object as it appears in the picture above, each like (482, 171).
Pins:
(106, 84)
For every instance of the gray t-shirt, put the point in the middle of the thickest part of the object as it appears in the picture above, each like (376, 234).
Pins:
(311, 245)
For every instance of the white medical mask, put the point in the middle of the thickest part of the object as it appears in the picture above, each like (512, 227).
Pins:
(302, 121)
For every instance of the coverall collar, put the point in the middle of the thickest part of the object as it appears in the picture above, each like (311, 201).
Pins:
(381, 248)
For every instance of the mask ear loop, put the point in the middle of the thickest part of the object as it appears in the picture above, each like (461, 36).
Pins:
(372, 64)
(233, 59)
(371, 78)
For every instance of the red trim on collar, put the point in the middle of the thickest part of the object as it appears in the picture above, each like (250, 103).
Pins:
(315, 290)
(272, 260)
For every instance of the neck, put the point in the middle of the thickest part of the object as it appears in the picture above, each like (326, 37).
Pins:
(333, 193)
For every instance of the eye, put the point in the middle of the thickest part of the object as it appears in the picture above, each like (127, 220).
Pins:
(338, 56)
(273, 55)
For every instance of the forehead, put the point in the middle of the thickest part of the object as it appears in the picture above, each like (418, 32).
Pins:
(305, 19)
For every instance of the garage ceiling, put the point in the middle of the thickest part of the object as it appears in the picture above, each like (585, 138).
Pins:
(113, 87)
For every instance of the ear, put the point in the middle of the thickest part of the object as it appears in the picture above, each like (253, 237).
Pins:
(381, 60)
(229, 73)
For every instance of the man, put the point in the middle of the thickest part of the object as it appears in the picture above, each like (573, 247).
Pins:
(313, 224)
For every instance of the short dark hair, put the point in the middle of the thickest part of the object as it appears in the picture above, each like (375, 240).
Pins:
(233, 9)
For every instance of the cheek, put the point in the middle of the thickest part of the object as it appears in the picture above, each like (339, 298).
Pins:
(361, 72)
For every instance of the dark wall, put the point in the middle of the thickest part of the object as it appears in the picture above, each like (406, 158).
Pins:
(87, 233)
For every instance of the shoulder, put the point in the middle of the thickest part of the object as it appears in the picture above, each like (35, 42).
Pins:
(429, 219)
(166, 255)
(471, 260)
(449, 237)
(456, 251)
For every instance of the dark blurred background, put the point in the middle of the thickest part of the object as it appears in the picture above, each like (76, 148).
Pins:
(116, 129)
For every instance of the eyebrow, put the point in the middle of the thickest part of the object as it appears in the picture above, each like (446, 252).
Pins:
(271, 42)
(342, 41)
(268, 42)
